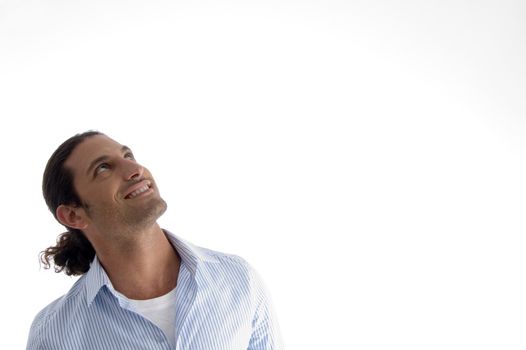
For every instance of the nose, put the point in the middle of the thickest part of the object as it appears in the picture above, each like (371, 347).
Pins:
(132, 170)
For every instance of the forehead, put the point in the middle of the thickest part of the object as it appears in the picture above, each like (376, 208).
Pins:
(89, 150)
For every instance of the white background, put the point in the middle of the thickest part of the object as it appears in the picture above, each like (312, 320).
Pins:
(367, 157)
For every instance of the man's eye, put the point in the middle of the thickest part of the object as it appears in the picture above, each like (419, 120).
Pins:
(129, 156)
(101, 168)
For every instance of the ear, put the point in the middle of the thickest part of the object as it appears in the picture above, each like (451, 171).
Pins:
(71, 216)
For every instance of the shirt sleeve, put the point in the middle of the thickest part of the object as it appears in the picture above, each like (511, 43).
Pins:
(34, 340)
(265, 329)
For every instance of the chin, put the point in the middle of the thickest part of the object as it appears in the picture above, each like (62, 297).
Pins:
(162, 208)
(157, 210)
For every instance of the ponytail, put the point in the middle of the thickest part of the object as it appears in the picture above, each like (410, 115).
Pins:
(72, 254)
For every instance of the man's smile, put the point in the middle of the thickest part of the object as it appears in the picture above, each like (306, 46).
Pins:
(142, 187)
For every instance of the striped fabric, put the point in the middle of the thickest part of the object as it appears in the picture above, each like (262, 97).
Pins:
(221, 304)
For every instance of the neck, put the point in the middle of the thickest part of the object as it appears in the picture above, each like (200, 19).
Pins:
(144, 266)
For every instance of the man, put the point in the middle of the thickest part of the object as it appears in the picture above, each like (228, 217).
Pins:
(141, 286)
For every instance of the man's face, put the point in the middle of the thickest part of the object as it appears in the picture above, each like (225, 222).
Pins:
(119, 194)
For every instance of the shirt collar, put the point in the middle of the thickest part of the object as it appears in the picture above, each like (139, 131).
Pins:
(95, 279)
(192, 256)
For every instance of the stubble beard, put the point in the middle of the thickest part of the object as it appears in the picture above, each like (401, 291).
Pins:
(126, 223)
(138, 219)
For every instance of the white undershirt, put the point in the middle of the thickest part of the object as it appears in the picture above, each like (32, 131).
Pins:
(160, 311)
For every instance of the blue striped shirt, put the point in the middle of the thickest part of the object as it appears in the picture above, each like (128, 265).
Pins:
(221, 303)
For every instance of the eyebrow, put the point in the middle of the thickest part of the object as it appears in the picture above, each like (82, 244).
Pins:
(124, 149)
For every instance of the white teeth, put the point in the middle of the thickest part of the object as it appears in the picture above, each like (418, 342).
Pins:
(139, 191)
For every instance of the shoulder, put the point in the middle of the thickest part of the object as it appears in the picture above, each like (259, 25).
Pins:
(56, 310)
(231, 269)
(209, 259)
(223, 260)
(219, 270)
(217, 256)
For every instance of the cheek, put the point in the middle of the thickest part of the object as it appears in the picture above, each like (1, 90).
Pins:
(102, 196)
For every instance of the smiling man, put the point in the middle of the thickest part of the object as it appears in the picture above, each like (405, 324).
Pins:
(141, 287)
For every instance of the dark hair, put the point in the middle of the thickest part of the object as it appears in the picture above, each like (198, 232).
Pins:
(73, 253)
